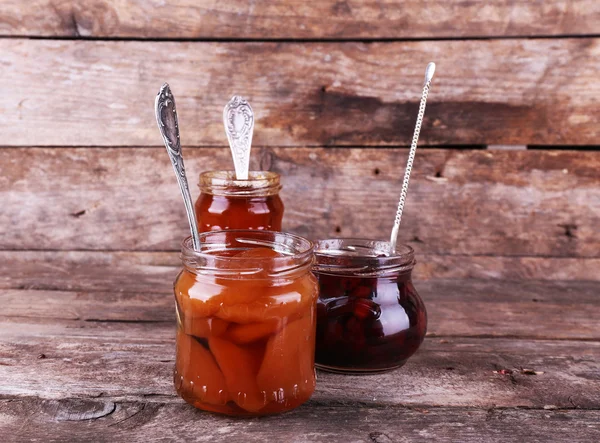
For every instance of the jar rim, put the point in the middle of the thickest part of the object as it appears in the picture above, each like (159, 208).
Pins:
(225, 183)
(297, 253)
(362, 257)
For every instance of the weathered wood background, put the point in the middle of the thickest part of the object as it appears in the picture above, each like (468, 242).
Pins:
(503, 208)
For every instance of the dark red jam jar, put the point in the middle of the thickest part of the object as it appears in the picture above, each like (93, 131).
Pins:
(369, 315)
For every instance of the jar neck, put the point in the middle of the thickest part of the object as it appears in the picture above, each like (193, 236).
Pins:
(363, 258)
(230, 255)
(230, 198)
(224, 183)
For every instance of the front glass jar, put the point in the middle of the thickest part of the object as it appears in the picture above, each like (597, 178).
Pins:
(246, 322)
(369, 315)
(227, 203)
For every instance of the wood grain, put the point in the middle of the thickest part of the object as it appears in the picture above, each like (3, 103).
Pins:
(460, 202)
(462, 308)
(331, 19)
(60, 359)
(502, 92)
(143, 421)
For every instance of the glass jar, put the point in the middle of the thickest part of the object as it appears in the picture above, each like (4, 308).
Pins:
(369, 315)
(227, 203)
(246, 322)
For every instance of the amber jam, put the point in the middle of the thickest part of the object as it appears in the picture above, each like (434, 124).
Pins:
(227, 203)
(369, 315)
(246, 322)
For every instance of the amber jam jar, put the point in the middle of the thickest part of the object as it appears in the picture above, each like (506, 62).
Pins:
(227, 203)
(246, 322)
(369, 315)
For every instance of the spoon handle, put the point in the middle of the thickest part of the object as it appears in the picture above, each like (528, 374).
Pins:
(166, 117)
(411, 155)
(238, 119)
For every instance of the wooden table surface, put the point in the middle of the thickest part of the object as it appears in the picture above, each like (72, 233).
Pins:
(503, 209)
(503, 361)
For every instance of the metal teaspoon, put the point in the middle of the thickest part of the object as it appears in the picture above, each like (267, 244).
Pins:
(238, 119)
(166, 117)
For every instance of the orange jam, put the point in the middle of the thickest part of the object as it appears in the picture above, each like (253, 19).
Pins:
(227, 203)
(246, 323)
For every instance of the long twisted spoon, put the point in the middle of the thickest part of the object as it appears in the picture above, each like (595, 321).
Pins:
(411, 155)
(238, 119)
(166, 117)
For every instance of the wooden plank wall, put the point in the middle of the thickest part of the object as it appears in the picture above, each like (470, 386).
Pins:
(503, 209)
(335, 86)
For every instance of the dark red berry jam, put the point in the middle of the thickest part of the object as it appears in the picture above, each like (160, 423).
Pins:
(369, 315)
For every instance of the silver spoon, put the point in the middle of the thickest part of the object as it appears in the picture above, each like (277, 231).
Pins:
(411, 156)
(238, 119)
(166, 117)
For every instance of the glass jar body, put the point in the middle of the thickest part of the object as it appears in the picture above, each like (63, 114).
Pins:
(246, 334)
(218, 212)
(370, 317)
(226, 203)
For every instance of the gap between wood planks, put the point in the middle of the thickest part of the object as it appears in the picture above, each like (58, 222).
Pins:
(176, 251)
(366, 40)
(185, 147)
(364, 146)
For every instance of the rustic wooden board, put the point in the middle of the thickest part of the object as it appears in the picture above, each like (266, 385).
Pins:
(485, 92)
(104, 420)
(468, 308)
(153, 271)
(331, 19)
(461, 202)
(63, 359)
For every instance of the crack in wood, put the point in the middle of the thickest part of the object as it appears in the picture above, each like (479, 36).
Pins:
(130, 416)
(118, 320)
(379, 437)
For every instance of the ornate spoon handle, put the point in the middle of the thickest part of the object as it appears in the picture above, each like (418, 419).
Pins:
(166, 117)
(238, 119)
(411, 155)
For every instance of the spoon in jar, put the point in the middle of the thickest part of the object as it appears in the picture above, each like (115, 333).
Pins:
(166, 117)
(238, 119)
(411, 156)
